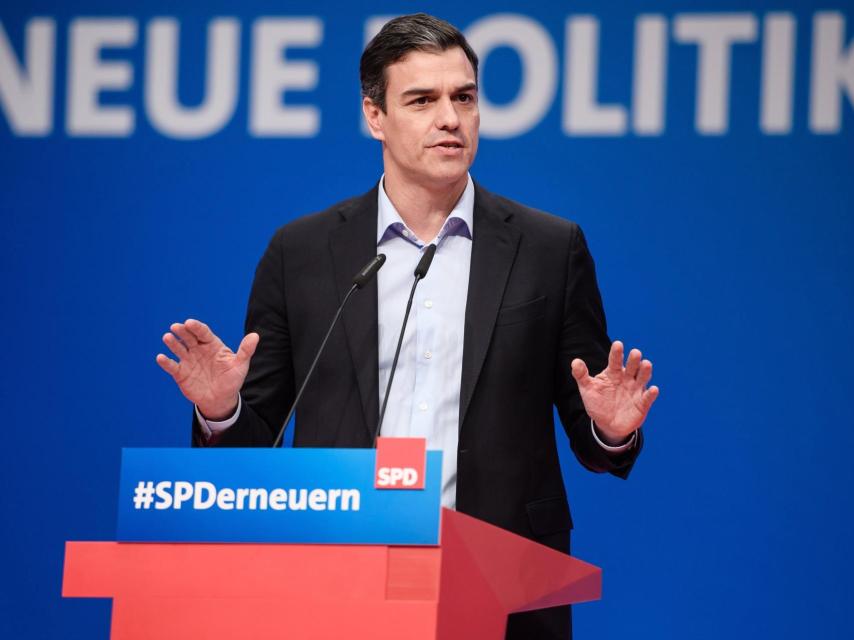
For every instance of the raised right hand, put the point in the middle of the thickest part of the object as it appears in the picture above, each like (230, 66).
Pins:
(208, 373)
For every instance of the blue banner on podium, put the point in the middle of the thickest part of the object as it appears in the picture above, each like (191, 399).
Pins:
(310, 496)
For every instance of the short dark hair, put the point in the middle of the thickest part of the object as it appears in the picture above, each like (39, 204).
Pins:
(399, 36)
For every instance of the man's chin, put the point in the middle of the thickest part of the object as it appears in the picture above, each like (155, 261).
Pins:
(450, 174)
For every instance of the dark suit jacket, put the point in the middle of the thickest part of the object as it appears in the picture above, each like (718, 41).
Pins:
(533, 305)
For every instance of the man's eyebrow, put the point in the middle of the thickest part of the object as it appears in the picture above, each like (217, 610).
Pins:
(417, 91)
(468, 86)
(425, 91)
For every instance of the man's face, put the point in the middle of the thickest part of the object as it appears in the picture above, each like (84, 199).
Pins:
(430, 128)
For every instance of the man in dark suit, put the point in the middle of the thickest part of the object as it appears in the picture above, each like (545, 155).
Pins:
(520, 289)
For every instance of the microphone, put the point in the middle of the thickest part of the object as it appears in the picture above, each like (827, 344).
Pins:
(420, 273)
(424, 263)
(368, 271)
(365, 275)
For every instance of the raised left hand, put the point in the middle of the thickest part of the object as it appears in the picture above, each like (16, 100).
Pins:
(617, 399)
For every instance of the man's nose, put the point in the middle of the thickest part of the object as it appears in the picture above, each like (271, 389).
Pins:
(446, 115)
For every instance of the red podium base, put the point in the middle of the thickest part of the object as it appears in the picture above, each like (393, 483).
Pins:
(463, 589)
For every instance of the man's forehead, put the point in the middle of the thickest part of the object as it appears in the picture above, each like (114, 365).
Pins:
(452, 64)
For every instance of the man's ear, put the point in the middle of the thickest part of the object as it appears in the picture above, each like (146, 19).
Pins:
(374, 118)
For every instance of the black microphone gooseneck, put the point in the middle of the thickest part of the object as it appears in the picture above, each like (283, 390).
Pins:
(420, 273)
(359, 280)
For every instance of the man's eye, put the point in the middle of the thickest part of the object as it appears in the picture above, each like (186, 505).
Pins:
(422, 100)
(464, 97)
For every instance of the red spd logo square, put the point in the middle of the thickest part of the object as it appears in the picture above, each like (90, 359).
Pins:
(400, 463)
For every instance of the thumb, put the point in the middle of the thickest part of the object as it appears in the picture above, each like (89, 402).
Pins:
(247, 346)
(580, 372)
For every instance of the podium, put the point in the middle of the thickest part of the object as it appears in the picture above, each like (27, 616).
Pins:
(462, 588)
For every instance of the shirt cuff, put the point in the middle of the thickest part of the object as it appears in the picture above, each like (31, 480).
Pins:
(611, 448)
(210, 427)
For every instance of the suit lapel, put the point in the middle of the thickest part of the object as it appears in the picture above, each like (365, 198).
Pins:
(352, 244)
(493, 251)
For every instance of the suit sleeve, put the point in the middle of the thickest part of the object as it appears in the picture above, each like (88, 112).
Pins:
(584, 335)
(268, 390)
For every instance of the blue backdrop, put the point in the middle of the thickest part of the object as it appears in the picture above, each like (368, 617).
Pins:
(706, 150)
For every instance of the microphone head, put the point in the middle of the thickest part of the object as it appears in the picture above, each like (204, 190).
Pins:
(369, 271)
(424, 263)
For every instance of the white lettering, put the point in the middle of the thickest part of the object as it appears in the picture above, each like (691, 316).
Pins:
(832, 72)
(350, 500)
(102, 52)
(297, 499)
(778, 73)
(202, 495)
(258, 498)
(394, 476)
(271, 75)
(278, 500)
(317, 500)
(26, 94)
(372, 28)
(650, 75)
(164, 495)
(334, 494)
(205, 495)
(88, 75)
(167, 115)
(539, 73)
(183, 492)
(714, 35)
(582, 115)
(410, 477)
(225, 499)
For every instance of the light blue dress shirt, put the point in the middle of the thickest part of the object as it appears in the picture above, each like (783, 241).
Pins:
(425, 394)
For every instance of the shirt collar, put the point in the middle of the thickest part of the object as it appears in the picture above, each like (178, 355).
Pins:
(460, 221)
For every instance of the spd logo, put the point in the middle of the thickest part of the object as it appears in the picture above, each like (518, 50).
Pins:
(400, 463)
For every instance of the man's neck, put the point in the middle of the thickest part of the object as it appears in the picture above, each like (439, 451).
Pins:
(424, 209)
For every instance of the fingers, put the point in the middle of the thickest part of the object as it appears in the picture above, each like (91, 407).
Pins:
(580, 372)
(175, 346)
(167, 364)
(200, 330)
(247, 346)
(184, 334)
(615, 357)
(636, 366)
(645, 373)
(633, 363)
(649, 397)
